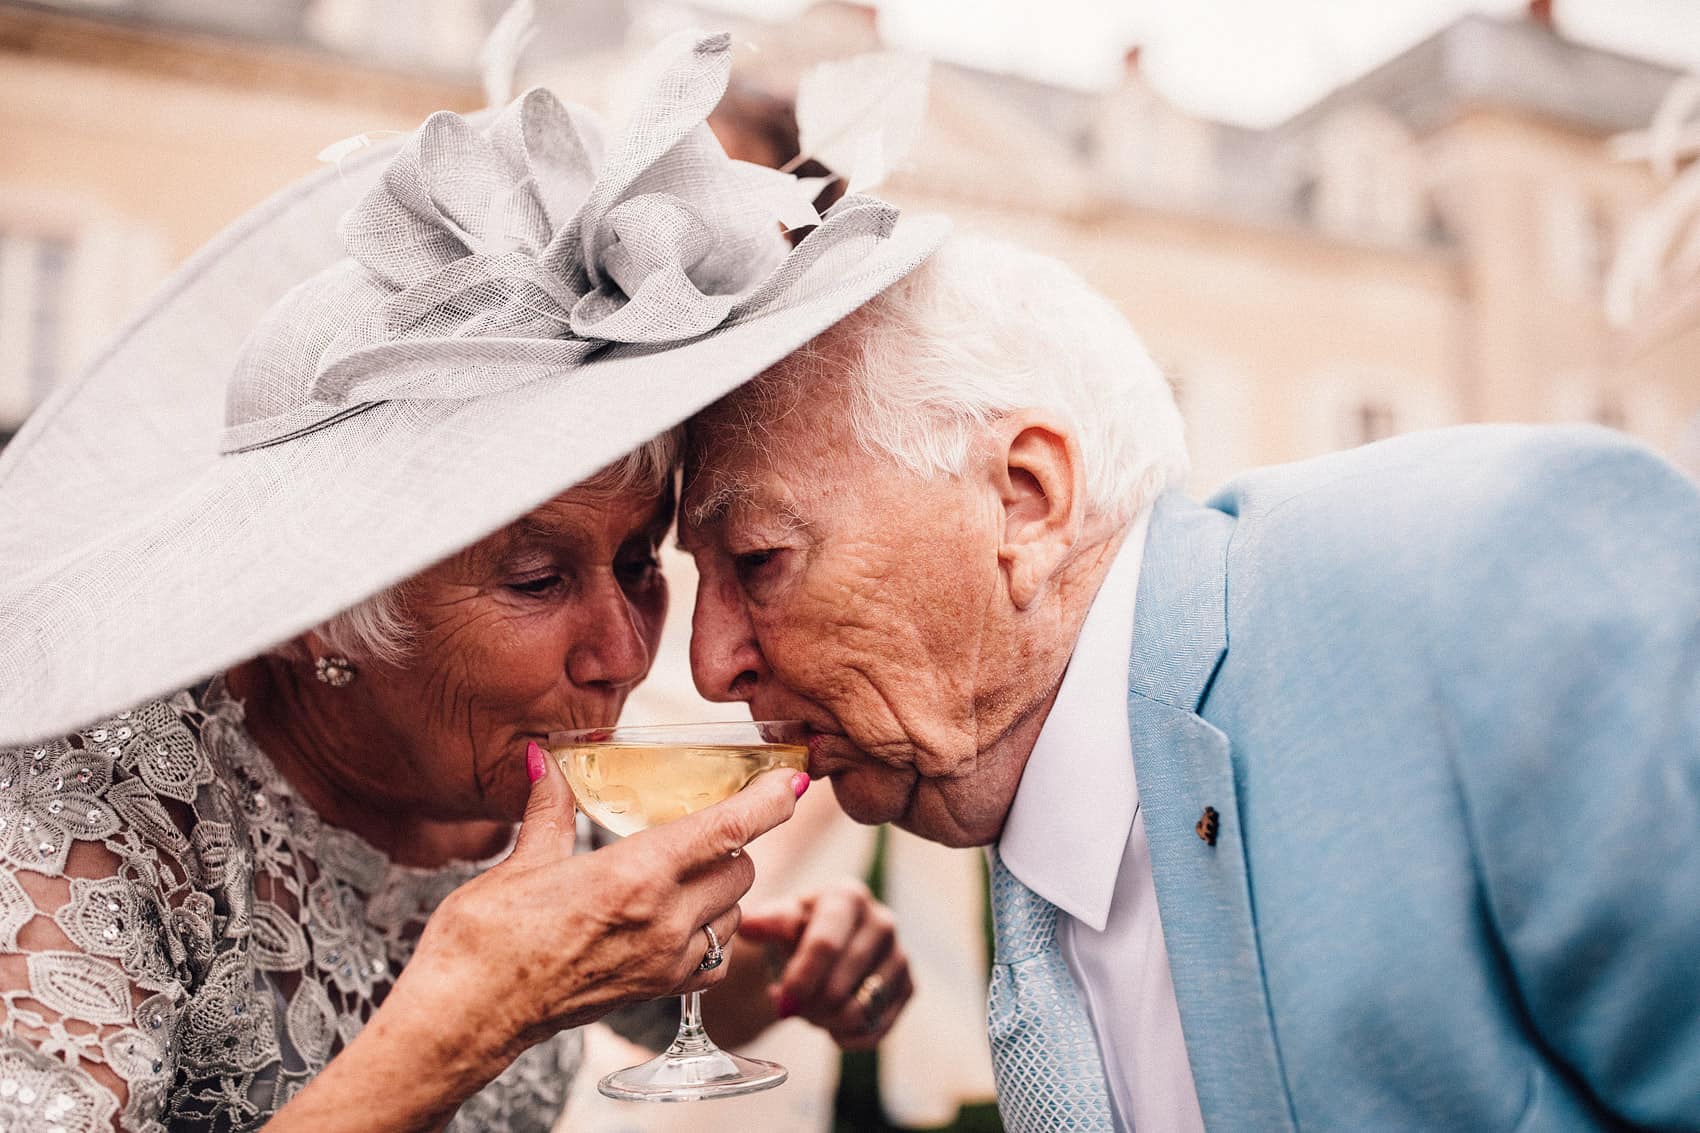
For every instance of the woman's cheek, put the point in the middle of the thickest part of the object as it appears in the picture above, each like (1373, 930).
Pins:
(533, 649)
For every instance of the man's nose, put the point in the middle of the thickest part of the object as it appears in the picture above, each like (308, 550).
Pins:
(726, 663)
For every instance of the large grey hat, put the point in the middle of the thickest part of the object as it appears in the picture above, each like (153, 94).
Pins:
(303, 417)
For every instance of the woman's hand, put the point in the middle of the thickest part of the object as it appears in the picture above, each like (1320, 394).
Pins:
(846, 972)
(544, 941)
(548, 940)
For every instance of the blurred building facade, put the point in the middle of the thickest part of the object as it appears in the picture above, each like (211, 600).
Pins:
(1428, 245)
(1425, 246)
(132, 139)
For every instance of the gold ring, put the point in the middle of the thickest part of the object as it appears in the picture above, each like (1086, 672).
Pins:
(873, 995)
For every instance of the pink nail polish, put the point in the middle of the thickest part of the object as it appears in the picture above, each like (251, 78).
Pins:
(799, 784)
(534, 761)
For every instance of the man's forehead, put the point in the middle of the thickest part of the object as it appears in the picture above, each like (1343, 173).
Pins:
(768, 445)
(728, 461)
(787, 404)
(718, 494)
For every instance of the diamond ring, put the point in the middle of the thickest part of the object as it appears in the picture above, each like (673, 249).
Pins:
(715, 956)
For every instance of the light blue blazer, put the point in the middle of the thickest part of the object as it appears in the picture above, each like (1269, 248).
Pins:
(1443, 693)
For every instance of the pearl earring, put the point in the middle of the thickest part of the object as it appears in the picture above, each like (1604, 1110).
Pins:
(338, 672)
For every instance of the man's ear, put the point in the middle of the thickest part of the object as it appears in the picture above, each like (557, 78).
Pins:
(1036, 470)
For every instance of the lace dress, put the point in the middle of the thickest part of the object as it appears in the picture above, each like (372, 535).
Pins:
(184, 944)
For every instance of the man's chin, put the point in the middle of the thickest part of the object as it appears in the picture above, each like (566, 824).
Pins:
(864, 797)
(928, 815)
(945, 834)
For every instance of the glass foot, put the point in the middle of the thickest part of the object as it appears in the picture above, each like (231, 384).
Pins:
(688, 1075)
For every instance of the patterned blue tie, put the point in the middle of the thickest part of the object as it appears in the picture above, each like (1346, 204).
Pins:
(1044, 1056)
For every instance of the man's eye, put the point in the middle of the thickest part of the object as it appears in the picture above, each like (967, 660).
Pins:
(535, 586)
(637, 568)
(752, 564)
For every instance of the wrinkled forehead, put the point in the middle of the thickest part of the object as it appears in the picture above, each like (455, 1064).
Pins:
(781, 440)
(731, 471)
(767, 430)
(798, 393)
(761, 414)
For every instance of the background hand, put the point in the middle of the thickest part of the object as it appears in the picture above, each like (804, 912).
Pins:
(846, 971)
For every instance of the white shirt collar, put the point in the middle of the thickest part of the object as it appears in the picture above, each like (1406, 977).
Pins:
(1074, 807)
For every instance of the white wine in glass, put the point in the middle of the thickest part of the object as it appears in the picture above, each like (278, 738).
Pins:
(629, 779)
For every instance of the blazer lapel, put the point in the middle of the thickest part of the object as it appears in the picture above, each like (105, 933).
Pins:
(1184, 766)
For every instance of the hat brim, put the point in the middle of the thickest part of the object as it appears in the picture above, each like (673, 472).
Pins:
(135, 560)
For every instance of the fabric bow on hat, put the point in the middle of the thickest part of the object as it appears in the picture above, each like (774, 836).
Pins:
(484, 259)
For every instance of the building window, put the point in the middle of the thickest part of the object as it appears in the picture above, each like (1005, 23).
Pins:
(1177, 388)
(1372, 421)
(1610, 413)
(1347, 406)
(1218, 410)
(1579, 237)
(34, 292)
(1369, 180)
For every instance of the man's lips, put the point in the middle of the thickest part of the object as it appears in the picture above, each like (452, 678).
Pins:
(820, 745)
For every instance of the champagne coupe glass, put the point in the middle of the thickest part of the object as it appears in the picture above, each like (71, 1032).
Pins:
(629, 779)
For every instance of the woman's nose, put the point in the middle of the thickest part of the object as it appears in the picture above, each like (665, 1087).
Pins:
(612, 650)
(725, 661)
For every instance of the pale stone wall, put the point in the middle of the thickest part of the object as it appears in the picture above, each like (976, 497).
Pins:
(124, 152)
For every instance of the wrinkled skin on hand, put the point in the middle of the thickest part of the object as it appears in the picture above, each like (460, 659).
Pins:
(548, 940)
(844, 971)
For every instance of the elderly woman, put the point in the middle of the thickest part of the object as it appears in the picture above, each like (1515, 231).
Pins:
(422, 537)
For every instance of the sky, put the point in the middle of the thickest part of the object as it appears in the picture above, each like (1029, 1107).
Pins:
(1252, 62)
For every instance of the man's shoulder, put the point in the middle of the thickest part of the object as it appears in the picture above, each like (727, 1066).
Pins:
(1449, 491)
(1485, 638)
(1470, 462)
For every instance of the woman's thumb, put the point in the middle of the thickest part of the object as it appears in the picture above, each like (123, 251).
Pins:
(551, 811)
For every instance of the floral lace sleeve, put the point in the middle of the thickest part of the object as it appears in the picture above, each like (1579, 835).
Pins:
(184, 943)
(97, 911)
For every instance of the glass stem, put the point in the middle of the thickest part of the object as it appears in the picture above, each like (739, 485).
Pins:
(691, 1039)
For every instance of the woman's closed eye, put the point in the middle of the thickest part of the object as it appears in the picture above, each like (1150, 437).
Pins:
(537, 587)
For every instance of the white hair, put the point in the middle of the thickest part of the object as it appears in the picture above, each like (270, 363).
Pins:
(380, 627)
(982, 329)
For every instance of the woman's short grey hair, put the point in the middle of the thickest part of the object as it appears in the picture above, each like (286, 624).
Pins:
(982, 329)
(381, 629)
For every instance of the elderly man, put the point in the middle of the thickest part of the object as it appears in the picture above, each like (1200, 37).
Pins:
(1366, 797)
